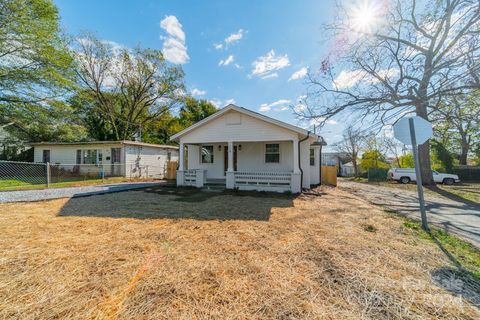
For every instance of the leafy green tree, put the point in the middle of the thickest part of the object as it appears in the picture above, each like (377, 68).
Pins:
(132, 89)
(51, 121)
(407, 161)
(441, 158)
(191, 111)
(85, 108)
(35, 63)
(457, 124)
(372, 158)
(195, 110)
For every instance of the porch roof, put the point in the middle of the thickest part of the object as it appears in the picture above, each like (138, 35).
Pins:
(249, 113)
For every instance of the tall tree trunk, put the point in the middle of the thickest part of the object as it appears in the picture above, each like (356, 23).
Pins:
(424, 151)
(355, 168)
(464, 150)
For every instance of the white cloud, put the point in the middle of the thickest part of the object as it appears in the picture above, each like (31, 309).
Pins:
(299, 74)
(174, 48)
(265, 66)
(348, 79)
(234, 37)
(173, 27)
(279, 105)
(229, 101)
(270, 76)
(300, 104)
(299, 107)
(221, 103)
(231, 39)
(227, 61)
(198, 92)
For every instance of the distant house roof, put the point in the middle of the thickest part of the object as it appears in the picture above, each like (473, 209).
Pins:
(247, 112)
(122, 142)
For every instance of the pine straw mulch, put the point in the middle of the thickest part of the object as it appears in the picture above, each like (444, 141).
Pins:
(184, 254)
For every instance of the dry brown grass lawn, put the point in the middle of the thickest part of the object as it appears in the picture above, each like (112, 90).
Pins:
(163, 255)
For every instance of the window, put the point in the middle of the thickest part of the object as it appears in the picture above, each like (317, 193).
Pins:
(79, 157)
(46, 156)
(169, 156)
(207, 154)
(312, 157)
(89, 156)
(272, 153)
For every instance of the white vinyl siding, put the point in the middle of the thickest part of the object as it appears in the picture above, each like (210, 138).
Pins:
(248, 129)
(143, 160)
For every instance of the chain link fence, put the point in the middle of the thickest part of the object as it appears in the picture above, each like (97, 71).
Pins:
(23, 175)
(15, 174)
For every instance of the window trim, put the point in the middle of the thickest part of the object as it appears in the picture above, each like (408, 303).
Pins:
(265, 153)
(212, 154)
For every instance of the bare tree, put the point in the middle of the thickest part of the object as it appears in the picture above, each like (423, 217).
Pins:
(131, 88)
(351, 144)
(394, 148)
(404, 57)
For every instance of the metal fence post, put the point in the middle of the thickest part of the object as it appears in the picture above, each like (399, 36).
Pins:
(47, 173)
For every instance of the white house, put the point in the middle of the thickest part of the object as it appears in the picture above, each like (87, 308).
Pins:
(115, 158)
(248, 151)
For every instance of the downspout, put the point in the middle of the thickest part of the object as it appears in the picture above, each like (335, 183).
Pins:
(320, 165)
(299, 159)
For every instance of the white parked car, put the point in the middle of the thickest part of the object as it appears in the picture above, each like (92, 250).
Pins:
(406, 175)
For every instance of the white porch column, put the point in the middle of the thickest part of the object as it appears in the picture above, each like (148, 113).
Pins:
(296, 167)
(181, 160)
(180, 171)
(230, 175)
(230, 156)
(296, 183)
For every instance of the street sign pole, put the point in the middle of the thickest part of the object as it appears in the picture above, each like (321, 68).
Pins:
(418, 174)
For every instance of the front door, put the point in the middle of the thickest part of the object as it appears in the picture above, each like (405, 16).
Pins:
(225, 159)
(116, 161)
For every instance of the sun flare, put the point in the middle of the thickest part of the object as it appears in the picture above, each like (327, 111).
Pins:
(365, 16)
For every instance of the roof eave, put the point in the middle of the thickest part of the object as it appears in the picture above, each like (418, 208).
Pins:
(229, 107)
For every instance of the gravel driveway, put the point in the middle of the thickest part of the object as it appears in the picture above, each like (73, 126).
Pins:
(458, 217)
(55, 193)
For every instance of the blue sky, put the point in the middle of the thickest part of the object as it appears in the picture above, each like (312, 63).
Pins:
(241, 51)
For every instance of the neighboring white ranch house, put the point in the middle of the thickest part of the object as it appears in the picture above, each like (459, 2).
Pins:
(115, 158)
(249, 151)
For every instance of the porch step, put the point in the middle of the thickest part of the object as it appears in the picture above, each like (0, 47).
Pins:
(214, 187)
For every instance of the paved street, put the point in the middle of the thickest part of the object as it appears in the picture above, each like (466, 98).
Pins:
(461, 218)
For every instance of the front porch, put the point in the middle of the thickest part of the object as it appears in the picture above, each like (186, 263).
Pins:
(260, 165)
(260, 181)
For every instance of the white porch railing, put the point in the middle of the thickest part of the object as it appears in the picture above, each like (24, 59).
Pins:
(267, 181)
(190, 177)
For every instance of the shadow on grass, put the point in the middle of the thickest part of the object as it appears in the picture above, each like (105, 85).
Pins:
(457, 279)
(162, 202)
(454, 197)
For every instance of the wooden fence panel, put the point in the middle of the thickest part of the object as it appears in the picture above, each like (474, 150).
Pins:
(329, 175)
(171, 173)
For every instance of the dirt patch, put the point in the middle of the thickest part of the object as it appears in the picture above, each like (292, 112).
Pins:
(158, 254)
